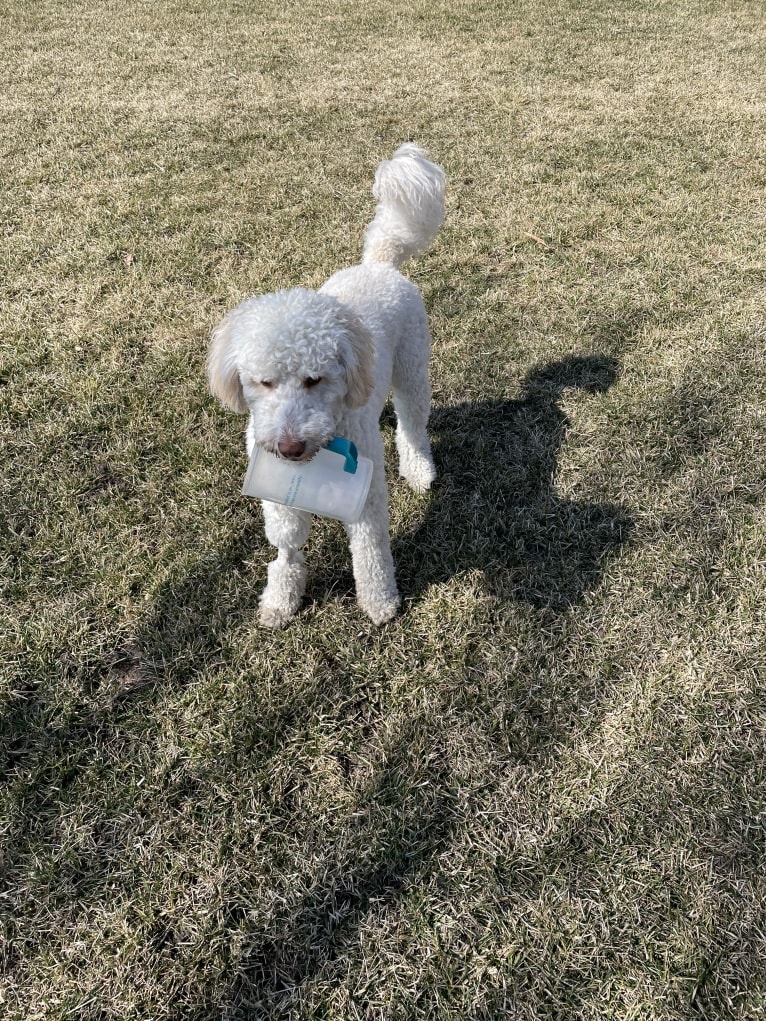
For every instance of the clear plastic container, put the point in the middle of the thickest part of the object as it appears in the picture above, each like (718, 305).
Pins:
(334, 483)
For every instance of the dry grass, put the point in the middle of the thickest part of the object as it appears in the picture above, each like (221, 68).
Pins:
(540, 792)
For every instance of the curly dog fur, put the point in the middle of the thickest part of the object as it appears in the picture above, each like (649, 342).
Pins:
(309, 365)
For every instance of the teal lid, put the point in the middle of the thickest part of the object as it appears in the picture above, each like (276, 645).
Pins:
(340, 445)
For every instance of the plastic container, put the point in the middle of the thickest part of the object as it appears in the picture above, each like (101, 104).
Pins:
(334, 483)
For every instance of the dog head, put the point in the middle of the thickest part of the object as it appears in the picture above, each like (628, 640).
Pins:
(295, 360)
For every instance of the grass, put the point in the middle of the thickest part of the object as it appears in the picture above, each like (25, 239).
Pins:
(540, 792)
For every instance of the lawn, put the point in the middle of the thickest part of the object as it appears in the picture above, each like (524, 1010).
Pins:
(540, 792)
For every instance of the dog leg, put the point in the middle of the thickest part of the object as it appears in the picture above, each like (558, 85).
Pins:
(373, 565)
(412, 403)
(416, 463)
(288, 530)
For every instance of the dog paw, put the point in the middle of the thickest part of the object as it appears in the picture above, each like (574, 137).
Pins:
(381, 611)
(275, 617)
(419, 473)
(420, 484)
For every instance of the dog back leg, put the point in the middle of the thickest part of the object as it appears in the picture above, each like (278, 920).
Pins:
(412, 403)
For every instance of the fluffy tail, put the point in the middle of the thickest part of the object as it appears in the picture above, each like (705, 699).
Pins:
(410, 193)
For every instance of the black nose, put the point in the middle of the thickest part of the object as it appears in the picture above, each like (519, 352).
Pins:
(292, 449)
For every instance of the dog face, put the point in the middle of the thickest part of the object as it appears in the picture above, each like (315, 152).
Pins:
(295, 360)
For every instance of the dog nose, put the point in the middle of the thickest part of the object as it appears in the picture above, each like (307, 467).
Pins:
(291, 449)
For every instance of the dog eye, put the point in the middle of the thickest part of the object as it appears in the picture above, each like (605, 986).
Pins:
(308, 383)
(267, 384)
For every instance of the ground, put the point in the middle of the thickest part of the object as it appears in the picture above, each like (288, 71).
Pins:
(540, 792)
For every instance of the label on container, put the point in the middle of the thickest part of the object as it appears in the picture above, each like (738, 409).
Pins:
(292, 493)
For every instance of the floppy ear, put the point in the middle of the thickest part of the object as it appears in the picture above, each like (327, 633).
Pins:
(222, 369)
(359, 378)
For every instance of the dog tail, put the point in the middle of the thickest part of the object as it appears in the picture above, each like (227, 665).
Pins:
(409, 190)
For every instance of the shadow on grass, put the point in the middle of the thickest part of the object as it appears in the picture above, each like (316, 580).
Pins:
(495, 506)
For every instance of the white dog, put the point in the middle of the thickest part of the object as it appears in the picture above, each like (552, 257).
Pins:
(310, 365)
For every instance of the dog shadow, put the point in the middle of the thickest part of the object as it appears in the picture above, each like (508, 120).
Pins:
(495, 506)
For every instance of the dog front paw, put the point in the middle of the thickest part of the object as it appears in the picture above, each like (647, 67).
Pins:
(380, 611)
(282, 597)
(275, 617)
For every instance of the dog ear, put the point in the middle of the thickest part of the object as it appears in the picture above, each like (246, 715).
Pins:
(359, 372)
(222, 371)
